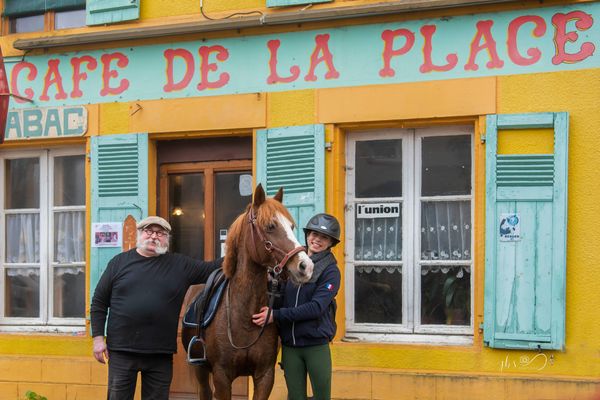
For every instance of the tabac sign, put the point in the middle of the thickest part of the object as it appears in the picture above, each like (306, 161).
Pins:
(543, 39)
(42, 123)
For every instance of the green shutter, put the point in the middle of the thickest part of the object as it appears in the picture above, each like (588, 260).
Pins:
(293, 158)
(525, 278)
(15, 8)
(119, 188)
(281, 3)
(110, 11)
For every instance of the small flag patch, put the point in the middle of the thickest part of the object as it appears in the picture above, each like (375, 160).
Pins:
(329, 287)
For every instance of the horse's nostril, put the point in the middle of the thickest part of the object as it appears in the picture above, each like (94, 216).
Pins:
(302, 266)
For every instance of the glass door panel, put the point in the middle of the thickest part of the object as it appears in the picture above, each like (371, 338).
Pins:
(187, 213)
(233, 191)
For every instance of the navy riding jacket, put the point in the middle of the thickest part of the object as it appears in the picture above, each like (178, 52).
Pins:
(305, 318)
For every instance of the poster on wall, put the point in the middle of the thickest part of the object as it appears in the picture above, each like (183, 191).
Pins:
(510, 227)
(107, 234)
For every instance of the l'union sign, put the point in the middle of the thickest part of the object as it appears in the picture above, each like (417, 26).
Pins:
(43, 123)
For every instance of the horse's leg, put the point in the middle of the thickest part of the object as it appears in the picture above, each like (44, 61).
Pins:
(222, 384)
(263, 383)
(204, 390)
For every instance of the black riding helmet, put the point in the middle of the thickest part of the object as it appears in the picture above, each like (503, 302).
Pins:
(325, 224)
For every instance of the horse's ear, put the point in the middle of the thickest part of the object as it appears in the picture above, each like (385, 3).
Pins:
(259, 196)
(279, 195)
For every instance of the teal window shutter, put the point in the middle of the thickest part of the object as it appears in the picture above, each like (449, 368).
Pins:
(100, 12)
(119, 188)
(281, 3)
(525, 245)
(293, 158)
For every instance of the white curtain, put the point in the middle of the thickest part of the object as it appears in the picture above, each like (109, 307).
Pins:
(23, 238)
(446, 230)
(69, 239)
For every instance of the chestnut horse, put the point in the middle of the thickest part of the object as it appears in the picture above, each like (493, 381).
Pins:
(258, 240)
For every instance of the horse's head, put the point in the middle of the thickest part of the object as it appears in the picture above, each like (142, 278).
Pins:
(269, 238)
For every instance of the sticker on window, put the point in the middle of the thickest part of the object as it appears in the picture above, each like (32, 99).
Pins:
(378, 210)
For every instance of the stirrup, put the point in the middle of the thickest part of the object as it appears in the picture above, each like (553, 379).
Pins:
(196, 361)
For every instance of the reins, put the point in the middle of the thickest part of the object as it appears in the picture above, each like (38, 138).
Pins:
(274, 271)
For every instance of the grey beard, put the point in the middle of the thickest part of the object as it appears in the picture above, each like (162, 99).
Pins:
(143, 245)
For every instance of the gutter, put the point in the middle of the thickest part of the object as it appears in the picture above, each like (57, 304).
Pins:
(272, 19)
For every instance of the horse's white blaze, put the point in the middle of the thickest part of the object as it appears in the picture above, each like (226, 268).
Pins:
(302, 256)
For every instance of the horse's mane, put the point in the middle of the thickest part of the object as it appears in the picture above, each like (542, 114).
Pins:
(266, 212)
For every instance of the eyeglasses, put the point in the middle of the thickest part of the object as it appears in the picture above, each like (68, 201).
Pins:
(151, 232)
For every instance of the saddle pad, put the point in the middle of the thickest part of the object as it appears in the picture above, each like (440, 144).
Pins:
(209, 306)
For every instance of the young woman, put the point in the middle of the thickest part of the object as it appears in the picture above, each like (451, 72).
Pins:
(307, 317)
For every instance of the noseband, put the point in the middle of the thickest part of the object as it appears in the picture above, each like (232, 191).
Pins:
(270, 247)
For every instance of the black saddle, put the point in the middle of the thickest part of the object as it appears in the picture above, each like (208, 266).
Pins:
(202, 310)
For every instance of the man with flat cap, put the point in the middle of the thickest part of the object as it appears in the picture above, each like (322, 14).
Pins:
(144, 289)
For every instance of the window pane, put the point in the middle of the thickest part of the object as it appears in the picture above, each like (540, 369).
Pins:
(378, 295)
(233, 192)
(32, 23)
(22, 183)
(22, 238)
(69, 181)
(186, 214)
(446, 295)
(69, 19)
(446, 230)
(378, 238)
(22, 292)
(379, 168)
(69, 236)
(69, 292)
(446, 165)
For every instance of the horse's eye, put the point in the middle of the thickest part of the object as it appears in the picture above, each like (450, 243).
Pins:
(271, 227)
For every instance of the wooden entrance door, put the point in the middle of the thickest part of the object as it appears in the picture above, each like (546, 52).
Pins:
(200, 200)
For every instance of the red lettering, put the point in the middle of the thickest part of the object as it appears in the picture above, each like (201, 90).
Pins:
(79, 76)
(322, 46)
(15, 77)
(388, 37)
(53, 77)
(274, 77)
(206, 67)
(188, 58)
(452, 59)
(513, 29)
(561, 37)
(108, 74)
(484, 31)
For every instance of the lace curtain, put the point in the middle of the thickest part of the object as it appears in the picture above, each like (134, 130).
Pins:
(23, 238)
(23, 241)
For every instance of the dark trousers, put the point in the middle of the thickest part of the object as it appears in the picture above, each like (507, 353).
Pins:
(156, 370)
(314, 360)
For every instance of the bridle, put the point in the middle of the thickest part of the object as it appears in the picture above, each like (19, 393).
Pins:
(269, 246)
(273, 273)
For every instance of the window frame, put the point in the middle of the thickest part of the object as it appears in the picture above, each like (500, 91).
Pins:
(49, 22)
(46, 322)
(411, 329)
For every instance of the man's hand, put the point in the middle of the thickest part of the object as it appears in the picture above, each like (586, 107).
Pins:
(100, 350)
(259, 319)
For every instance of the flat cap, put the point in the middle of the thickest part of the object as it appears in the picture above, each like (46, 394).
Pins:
(154, 220)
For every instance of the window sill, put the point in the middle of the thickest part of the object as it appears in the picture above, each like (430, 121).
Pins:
(44, 329)
(440, 340)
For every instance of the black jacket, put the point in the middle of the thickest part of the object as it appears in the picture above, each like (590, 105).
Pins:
(304, 319)
(144, 295)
